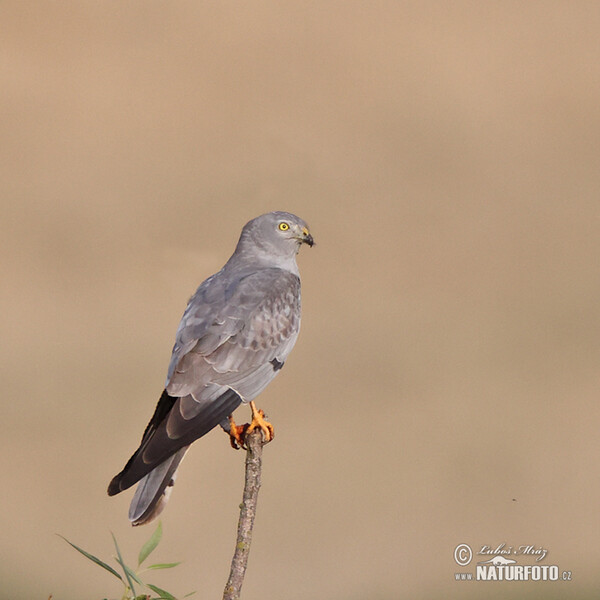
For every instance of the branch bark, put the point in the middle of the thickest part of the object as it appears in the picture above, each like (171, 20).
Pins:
(254, 447)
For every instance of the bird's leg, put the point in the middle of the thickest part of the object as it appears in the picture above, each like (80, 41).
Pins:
(236, 433)
(258, 420)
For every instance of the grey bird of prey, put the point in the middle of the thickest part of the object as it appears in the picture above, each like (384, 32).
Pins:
(234, 337)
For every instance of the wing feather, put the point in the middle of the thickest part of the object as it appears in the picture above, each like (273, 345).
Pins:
(259, 322)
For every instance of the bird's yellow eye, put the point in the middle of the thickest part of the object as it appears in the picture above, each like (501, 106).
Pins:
(283, 226)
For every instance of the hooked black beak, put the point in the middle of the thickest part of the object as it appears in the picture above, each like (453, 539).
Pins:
(307, 238)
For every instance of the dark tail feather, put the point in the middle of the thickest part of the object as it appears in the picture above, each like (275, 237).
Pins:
(154, 489)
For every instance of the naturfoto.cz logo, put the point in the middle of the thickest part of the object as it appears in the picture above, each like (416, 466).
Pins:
(499, 565)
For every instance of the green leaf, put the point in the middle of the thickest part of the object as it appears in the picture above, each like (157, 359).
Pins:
(190, 594)
(126, 569)
(163, 595)
(93, 558)
(149, 546)
(164, 565)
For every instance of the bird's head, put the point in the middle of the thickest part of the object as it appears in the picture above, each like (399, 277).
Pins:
(279, 234)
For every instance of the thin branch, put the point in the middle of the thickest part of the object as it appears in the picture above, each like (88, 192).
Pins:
(254, 445)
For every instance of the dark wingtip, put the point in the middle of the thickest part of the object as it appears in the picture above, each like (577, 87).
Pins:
(165, 404)
(114, 487)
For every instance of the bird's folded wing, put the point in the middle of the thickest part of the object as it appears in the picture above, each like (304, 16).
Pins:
(257, 322)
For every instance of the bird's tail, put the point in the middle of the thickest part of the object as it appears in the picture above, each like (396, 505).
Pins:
(154, 489)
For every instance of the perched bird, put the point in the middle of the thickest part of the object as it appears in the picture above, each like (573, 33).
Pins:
(234, 337)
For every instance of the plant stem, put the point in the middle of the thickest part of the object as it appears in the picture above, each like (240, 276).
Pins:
(254, 444)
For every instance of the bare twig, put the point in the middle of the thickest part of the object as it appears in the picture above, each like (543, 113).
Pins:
(254, 444)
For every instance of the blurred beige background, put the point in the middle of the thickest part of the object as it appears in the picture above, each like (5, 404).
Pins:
(444, 389)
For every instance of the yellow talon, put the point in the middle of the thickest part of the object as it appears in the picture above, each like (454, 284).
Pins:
(238, 433)
(259, 421)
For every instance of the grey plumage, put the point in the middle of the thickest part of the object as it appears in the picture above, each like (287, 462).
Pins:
(234, 336)
(154, 489)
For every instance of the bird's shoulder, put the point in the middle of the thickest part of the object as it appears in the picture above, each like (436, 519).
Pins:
(233, 295)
